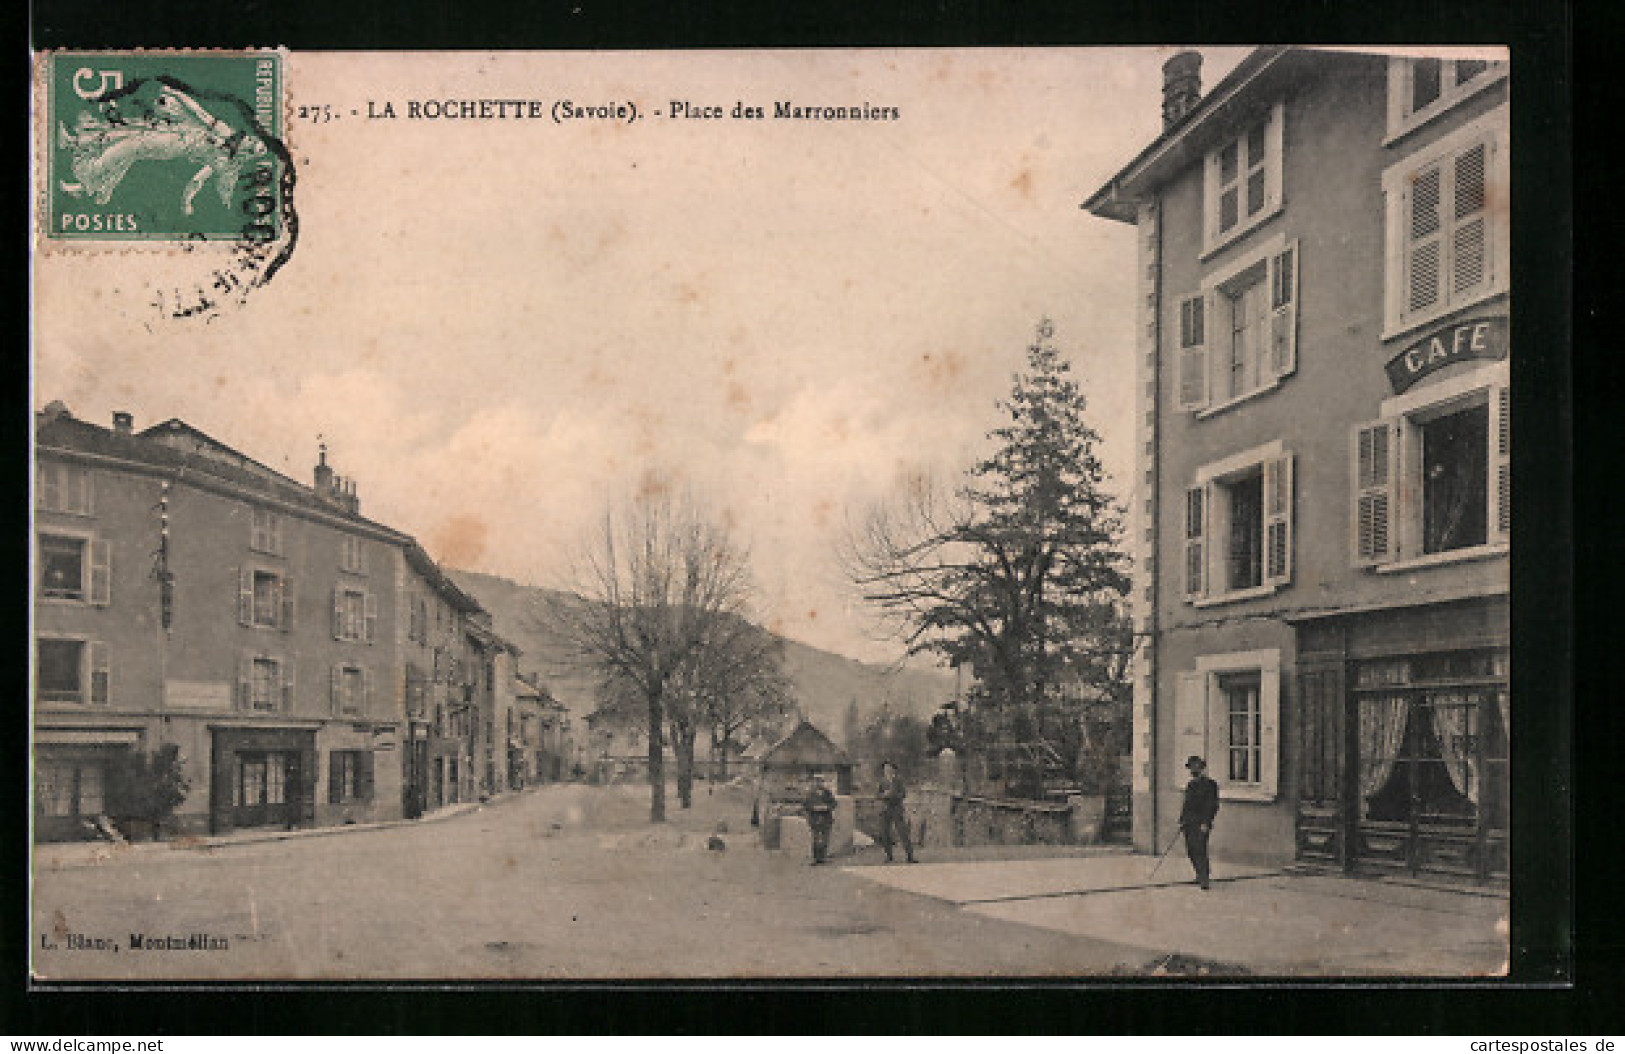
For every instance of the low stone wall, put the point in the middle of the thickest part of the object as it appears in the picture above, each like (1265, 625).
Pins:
(938, 817)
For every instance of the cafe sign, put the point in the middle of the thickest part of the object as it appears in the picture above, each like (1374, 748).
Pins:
(1473, 338)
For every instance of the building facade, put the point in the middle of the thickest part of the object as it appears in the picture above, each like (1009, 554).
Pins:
(188, 595)
(1322, 491)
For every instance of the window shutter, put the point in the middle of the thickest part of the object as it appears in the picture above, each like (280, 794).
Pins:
(50, 486)
(274, 532)
(360, 556)
(1424, 239)
(1375, 459)
(1269, 734)
(245, 596)
(287, 604)
(338, 613)
(1469, 236)
(1501, 458)
(363, 775)
(1193, 370)
(101, 674)
(1190, 723)
(367, 691)
(1284, 311)
(1278, 520)
(335, 777)
(101, 572)
(245, 681)
(336, 692)
(369, 606)
(1275, 154)
(1196, 514)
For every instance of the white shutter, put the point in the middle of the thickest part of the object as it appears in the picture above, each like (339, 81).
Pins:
(101, 674)
(360, 556)
(1283, 278)
(1375, 451)
(1500, 482)
(87, 492)
(245, 596)
(338, 613)
(1269, 735)
(101, 572)
(1278, 520)
(287, 685)
(1275, 155)
(1196, 529)
(287, 603)
(245, 681)
(368, 689)
(1470, 260)
(1190, 723)
(1193, 366)
(336, 690)
(274, 532)
(50, 486)
(369, 604)
(1424, 240)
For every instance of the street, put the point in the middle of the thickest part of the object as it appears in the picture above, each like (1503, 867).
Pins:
(571, 881)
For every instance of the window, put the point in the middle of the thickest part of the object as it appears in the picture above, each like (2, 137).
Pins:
(355, 615)
(1238, 527)
(73, 567)
(265, 599)
(1239, 335)
(72, 671)
(1422, 89)
(349, 776)
(265, 535)
(70, 788)
(64, 488)
(351, 689)
(1433, 480)
(1227, 710)
(1447, 225)
(353, 555)
(1242, 181)
(264, 683)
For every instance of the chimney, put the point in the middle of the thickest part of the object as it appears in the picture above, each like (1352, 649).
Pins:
(1181, 87)
(123, 422)
(324, 474)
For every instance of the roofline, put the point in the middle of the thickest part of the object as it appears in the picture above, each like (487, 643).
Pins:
(152, 432)
(1106, 201)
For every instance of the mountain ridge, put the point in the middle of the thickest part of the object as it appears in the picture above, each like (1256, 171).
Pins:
(825, 682)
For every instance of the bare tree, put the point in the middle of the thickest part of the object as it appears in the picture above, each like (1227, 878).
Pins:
(651, 594)
(740, 682)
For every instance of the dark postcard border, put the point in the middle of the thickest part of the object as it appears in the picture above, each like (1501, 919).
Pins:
(1545, 907)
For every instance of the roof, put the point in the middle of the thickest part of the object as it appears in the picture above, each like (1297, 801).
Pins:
(419, 560)
(1224, 111)
(804, 746)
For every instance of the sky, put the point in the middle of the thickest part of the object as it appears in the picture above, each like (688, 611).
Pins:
(499, 329)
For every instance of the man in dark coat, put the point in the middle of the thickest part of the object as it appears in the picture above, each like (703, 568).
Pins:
(1196, 816)
(820, 808)
(892, 817)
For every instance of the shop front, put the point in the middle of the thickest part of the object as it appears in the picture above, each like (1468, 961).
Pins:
(75, 776)
(262, 777)
(1405, 718)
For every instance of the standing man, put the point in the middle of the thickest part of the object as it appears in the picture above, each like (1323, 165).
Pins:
(820, 808)
(1196, 816)
(892, 816)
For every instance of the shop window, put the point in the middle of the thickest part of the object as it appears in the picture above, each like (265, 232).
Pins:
(74, 567)
(1227, 710)
(265, 599)
(349, 776)
(1420, 89)
(1447, 225)
(1238, 527)
(265, 532)
(72, 671)
(64, 488)
(1435, 481)
(264, 683)
(1242, 181)
(355, 615)
(1238, 336)
(70, 788)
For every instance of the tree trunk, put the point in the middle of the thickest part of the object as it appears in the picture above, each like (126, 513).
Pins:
(721, 754)
(684, 748)
(657, 768)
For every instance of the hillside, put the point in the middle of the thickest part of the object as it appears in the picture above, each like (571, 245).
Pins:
(825, 683)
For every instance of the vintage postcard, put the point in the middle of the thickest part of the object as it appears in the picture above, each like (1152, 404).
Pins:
(888, 513)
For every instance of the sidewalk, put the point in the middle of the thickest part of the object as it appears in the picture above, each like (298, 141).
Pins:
(1254, 921)
(58, 856)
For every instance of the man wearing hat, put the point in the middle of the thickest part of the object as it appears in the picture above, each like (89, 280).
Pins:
(1196, 816)
(820, 809)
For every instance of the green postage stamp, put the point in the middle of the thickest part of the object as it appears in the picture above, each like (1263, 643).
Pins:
(165, 146)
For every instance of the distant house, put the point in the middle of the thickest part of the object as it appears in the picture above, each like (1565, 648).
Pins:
(787, 765)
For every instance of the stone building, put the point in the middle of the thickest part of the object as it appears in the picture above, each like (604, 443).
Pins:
(1322, 488)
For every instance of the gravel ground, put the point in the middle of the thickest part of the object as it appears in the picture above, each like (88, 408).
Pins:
(565, 881)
